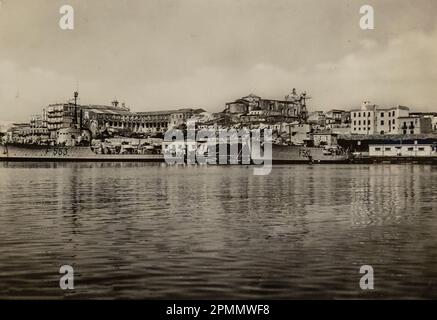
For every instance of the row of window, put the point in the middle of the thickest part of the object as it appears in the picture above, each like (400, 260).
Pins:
(131, 118)
(369, 114)
(409, 149)
(390, 114)
(359, 122)
(369, 130)
(382, 122)
(139, 125)
(364, 129)
(405, 131)
(411, 123)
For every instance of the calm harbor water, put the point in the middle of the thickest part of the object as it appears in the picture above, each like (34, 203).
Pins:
(150, 231)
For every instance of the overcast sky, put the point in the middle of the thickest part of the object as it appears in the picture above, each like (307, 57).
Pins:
(162, 54)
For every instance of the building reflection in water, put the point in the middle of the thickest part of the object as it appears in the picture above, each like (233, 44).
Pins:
(157, 231)
(389, 194)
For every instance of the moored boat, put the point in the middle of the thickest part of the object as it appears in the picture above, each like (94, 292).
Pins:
(280, 154)
(302, 154)
(29, 152)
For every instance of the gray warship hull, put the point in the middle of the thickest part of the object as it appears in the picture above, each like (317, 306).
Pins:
(280, 154)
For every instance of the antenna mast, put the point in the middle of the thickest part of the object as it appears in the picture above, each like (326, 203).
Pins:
(76, 94)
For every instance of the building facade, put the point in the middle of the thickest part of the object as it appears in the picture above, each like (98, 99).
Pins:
(317, 118)
(430, 115)
(38, 128)
(324, 139)
(401, 150)
(100, 117)
(20, 132)
(336, 116)
(371, 120)
(254, 108)
(61, 115)
(97, 118)
(414, 125)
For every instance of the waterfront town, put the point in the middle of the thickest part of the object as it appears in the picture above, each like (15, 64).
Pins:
(366, 128)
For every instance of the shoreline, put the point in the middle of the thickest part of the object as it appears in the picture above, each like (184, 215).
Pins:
(369, 160)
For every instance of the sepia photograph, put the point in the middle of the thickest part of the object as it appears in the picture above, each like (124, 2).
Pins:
(203, 150)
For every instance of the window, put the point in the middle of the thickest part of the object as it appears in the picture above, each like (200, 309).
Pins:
(382, 114)
(387, 149)
(410, 149)
(382, 122)
(359, 122)
(421, 149)
(377, 149)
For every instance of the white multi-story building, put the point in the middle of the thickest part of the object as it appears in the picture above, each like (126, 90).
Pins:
(370, 119)
(397, 150)
(430, 115)
(415, 125)
(38, 128)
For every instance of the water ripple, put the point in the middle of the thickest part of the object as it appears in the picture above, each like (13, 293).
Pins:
(151, 231)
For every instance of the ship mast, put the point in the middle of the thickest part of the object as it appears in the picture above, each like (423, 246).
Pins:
(76, 94)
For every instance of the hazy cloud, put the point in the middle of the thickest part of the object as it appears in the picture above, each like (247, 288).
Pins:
(166, 54)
